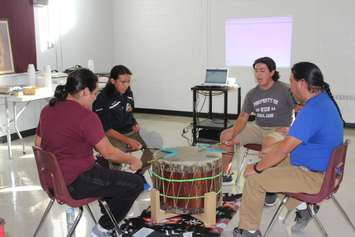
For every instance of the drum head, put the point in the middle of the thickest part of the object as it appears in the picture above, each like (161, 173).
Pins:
(187, 154)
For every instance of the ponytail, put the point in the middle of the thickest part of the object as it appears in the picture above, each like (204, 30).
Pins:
(60, 94)
(276, 76)
(326, 88)
(77, 80)
(314, 78)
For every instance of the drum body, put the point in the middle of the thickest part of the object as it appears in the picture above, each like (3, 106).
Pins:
(184, 179)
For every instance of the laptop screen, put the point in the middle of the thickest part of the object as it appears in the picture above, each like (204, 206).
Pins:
(218, 76)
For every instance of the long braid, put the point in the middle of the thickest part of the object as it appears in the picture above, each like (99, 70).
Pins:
(326, 88)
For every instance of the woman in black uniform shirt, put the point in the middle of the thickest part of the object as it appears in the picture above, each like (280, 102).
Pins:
(114, 106)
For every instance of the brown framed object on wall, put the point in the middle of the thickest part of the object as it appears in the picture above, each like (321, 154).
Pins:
(6, 58)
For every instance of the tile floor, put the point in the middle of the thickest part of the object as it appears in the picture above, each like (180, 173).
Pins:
(22, 201)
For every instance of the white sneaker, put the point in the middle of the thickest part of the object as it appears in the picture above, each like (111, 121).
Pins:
(99, 231)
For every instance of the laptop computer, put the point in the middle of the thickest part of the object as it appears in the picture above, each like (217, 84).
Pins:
(216, 77)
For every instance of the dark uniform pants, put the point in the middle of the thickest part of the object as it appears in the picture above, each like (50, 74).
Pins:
(119, 189)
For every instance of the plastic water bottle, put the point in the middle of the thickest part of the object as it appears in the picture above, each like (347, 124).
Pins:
(91, 65)
(70, 216)
(48, 77)
(31, 72)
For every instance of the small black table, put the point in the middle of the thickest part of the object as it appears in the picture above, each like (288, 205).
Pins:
(210, 123)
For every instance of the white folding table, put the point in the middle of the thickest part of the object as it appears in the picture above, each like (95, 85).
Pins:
(41, 93)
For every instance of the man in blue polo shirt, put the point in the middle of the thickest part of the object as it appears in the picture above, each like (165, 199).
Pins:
(297, 163)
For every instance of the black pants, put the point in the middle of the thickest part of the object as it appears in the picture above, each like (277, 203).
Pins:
(119, 189)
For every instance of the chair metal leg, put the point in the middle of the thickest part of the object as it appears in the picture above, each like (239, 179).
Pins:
(91, 214)
(341, 209)
(277, 213)
(286, 216)
(76, 221)
(48, 208)
(240, 168)
(111, 216)
(316, 219)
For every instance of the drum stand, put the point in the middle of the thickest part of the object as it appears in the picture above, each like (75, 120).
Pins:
(208, 217)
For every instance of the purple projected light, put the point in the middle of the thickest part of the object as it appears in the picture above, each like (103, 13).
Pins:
(250, 38)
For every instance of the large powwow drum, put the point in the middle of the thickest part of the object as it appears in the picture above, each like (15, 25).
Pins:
(184, 175)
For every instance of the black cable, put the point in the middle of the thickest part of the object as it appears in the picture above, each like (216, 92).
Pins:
(203, 104)
(198, 112)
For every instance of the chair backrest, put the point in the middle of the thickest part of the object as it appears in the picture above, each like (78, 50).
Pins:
(335, 171)
(50, 175)
(332, 178)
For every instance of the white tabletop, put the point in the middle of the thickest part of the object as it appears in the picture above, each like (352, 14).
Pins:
(41, 93)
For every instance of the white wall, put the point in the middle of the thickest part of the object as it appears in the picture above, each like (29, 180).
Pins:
(168, 44)
(93, 36)
(84, 31)
(163, 43)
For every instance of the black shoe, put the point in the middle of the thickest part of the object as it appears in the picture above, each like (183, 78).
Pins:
(270, 199)
(244, 233)
(302, 219)
(227, 179)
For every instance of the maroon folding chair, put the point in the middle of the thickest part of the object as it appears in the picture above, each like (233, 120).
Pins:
(50, 175)
(248, 147)
(332, 179)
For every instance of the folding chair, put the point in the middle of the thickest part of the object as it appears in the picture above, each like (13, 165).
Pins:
(332, 179)
(49, 172)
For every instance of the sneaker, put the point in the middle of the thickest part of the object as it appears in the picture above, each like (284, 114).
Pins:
(244, 233)
(227, 179)
(302, 219)
(99, 231)
(270, 199)
(147, 187)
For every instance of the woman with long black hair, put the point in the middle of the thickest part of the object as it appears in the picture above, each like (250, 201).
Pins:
(114, 106)
(69, 129)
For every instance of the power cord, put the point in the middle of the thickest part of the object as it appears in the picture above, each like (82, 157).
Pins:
(184, 132)
(198, 110)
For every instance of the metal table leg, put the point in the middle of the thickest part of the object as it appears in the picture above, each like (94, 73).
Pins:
(16, 116)
(8, 134)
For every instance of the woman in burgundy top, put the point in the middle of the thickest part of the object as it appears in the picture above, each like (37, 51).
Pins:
(69, 129)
